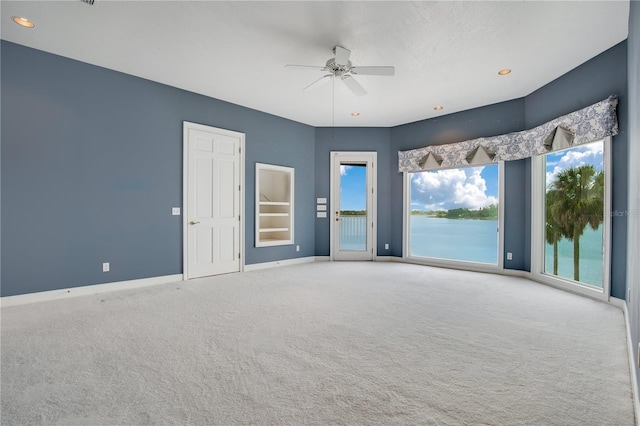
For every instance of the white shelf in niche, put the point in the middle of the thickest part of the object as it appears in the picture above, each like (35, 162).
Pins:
(274, 205)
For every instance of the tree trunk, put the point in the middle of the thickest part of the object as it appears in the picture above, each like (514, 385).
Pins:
(555, 258)
(576, 255)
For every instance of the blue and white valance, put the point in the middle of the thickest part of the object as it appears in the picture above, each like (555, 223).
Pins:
(586, 125)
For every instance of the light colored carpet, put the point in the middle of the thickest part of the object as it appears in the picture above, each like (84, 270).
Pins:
(324, 343)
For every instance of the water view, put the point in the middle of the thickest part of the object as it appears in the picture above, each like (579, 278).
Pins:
(590, 258)
(470, 240)
(574, 213)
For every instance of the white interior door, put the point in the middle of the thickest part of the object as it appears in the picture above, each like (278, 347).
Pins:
(212, 206)
(353, 205)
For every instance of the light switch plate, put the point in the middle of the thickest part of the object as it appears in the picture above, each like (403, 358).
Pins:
(321, 207)
(175, 211)
(321, 214)
(321, 201)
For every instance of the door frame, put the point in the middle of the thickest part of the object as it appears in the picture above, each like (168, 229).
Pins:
(355, 156)
(186, 126)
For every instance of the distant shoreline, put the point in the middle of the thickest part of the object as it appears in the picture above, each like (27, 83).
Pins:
(453, 218)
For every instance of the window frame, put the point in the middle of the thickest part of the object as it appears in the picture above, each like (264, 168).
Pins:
(450, 263)
(538, 239)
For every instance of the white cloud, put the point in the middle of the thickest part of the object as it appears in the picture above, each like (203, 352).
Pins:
(449, 189)
(584, 154)
(344, 170)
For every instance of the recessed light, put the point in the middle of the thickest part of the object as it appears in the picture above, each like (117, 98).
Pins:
(504, 71)
(438, 108)
(24, 22)
(355, 114)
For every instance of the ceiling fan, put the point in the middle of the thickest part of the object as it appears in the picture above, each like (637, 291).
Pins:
(341, 67)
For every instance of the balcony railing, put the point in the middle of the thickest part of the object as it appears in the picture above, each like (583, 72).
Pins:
(353, 232)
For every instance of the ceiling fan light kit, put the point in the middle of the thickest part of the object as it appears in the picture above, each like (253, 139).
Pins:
(341, 67)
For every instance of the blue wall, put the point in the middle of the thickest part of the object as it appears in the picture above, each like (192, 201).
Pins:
(353, 139)
(589, 83)
(491, 120)
(633, 269)
(593, 81)
(92, 164)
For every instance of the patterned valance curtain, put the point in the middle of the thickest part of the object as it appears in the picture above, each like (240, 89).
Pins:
(586, 125)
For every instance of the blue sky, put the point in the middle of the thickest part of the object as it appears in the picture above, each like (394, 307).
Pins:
(471, 187)
(353, 187)
(468, 187)
(592, 153)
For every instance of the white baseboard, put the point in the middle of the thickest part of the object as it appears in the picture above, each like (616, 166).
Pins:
(384, 259)
(65, 293)
(516, 273)
(618, 303)
(632, 362)
(323, 258)
(277, 263)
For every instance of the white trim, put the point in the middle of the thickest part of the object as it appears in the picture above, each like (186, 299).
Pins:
(537, 240)
(370, 158)
(186, 126)
(501, 214)
(633, 368)
(290, 171)
(277, 263)
(241, 207)
(451, 263)
(406, 209)
(618, 303)
(516, 273)
(65, 293)
(384, 258)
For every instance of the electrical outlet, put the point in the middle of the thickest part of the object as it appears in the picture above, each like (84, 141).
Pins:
(175, 211)
(297, 248)
(105, 267)
(509, 255)
(386, 246)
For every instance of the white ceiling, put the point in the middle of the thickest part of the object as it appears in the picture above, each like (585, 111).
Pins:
(444, 53)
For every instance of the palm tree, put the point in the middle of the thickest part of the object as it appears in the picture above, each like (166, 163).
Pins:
(553, 231)
(580, 192)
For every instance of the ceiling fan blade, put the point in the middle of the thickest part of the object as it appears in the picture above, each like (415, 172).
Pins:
(305, 67)
(319, 82)
(353, 85)
(342, 55)
(373, 70)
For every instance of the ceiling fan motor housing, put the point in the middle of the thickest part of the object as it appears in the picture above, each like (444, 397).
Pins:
(337, 69)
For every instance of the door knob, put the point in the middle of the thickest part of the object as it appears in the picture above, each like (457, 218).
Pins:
(193, 222)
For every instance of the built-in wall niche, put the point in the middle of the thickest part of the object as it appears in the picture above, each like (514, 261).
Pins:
(274, 205)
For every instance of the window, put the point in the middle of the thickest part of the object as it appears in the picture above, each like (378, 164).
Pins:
(453, 214)
(571, 226)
